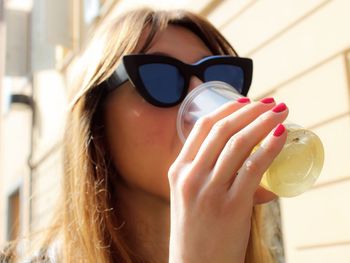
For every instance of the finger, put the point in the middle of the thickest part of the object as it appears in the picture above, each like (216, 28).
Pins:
(249, 176)
(263, 196)
(240, 145)
(224, 129)
(202, 127)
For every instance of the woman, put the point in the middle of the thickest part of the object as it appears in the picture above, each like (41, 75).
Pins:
(132, 191)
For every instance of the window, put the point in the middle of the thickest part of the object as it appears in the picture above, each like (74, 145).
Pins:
(13, 229)
(91, 10)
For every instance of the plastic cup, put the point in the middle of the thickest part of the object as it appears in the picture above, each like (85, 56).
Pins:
(292, 172)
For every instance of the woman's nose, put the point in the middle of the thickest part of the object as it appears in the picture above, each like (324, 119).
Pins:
(194, 82)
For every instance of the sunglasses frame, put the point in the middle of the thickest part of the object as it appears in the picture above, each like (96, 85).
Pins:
(129, 70)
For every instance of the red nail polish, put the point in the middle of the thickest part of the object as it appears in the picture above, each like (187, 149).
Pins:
(279, 130)
(267, 100)
(243, 100)
(279, 108)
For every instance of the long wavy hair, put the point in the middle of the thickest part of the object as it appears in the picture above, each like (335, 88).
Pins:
(87, 222)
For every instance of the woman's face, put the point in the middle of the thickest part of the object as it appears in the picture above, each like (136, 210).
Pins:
(142, 138)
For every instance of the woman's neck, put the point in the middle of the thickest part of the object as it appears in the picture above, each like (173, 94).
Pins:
(146, 223)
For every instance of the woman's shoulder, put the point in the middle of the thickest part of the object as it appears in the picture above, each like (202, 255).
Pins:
(45, 255)
(7, 253)
(42, 256)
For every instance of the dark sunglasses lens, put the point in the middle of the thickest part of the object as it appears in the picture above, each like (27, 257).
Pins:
(230, 74)
(162, 81)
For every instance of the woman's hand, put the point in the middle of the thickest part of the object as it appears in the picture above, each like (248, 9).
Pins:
(214, 182)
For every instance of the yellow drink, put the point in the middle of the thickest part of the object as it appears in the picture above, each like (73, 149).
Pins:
(292, 172)
(297, 166)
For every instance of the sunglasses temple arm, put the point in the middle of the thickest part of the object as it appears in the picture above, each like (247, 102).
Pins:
(118, 77)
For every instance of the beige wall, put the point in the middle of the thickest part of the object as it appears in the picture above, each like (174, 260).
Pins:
(47, 160)
(2, 71)
(301, 56)
(14, 170)
(300, 51)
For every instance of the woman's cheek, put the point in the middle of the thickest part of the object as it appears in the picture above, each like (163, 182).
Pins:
(156, 125)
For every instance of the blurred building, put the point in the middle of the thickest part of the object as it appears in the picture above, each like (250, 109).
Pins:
(301, 53)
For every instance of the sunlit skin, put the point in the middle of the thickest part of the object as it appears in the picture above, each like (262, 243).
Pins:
(143, 143)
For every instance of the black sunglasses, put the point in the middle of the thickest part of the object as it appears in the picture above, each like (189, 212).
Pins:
(163, 81)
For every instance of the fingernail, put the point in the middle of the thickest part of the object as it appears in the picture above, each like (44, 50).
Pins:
(243, 100)
(279, 130)
(279, 108)
(267, 100)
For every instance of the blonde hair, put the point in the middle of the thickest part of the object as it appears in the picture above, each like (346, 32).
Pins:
(88, 221)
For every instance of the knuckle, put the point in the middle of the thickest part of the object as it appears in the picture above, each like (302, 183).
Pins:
(173, 173)
(236, 142)
(187, 188)
(203, 122)
(252, 167)
(220, 126)
(183, 180)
